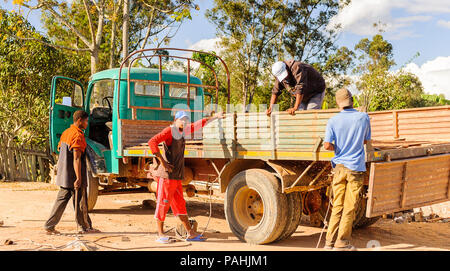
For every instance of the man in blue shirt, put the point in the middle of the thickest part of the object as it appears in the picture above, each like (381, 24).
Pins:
(346, 134)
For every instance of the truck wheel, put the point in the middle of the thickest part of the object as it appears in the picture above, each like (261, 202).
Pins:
(295, 207)
(92, 189)
(361, 221)
(255, 208)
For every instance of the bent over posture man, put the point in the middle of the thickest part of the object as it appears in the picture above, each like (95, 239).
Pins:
(72, 175)
(349, 130)
(169, 172)
(304, 82)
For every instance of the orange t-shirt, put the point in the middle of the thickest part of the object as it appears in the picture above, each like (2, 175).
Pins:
(74, 138)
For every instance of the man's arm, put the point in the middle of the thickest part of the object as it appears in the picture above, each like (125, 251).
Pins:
(328, 146)
(77, 167)
(329, 137)
(276, 91)
(298, 100)
(201, 123)
(273, 100)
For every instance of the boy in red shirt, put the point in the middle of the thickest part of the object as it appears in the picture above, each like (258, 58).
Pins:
(169, 172)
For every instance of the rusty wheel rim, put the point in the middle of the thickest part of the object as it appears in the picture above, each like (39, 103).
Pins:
(248, 206)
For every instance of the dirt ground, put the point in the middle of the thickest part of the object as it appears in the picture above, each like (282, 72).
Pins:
(127, 225)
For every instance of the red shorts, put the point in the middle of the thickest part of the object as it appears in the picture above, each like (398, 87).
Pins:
(169, 195)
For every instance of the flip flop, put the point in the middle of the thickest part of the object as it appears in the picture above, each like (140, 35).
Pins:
(197, 238)
(52, 232)
(164, 240)
(92, 230)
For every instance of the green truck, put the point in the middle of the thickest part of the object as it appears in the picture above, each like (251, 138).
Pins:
(271, 170)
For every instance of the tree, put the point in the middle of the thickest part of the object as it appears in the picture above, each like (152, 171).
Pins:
(90, 26)
(248, 31)
(26, 69)
(306, 36)
(435, 100)
(254, 34)
(380, 88)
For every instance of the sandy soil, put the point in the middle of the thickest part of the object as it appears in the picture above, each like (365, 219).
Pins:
(126, 224)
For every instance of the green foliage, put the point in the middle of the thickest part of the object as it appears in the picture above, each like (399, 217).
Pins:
(255, 34)
(435, 100)
(206, 74)
(380, 88)
(26, 69)
(248, 30)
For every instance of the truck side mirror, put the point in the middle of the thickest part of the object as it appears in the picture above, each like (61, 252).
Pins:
(67, 101)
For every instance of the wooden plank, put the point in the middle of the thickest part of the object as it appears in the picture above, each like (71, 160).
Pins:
(421, 184)
(41, 169)
(33, 168)
(404, 185)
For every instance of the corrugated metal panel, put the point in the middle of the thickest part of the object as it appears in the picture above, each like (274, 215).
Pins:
(405, 184)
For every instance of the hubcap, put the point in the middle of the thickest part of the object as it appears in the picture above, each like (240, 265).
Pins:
(248, 206)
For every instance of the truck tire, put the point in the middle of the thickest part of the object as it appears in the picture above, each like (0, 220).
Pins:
(295, 206)
(361, 221)
(92, 189)
(255, 208)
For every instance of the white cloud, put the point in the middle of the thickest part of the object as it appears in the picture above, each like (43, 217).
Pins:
(444, 23)
(207, 45)
(359, 16)
(434, 75)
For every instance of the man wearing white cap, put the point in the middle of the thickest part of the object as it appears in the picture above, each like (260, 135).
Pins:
(302, 81)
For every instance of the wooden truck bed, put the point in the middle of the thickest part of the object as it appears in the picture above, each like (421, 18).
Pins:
(410, 152)
(396, 134)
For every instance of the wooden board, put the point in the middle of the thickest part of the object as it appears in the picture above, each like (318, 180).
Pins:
(408, 183)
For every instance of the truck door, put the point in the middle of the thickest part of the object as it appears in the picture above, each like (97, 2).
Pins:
(67, 96)
(410, 183)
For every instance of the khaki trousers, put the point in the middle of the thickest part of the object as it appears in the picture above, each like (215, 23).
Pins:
(346, 187)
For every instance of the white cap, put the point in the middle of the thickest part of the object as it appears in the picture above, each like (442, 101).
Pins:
(279, 70)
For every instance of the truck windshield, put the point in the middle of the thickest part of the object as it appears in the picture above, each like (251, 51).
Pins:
(102, 92)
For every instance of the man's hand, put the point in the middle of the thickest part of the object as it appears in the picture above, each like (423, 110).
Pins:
(166, 165)
(269, 111)
(291, 111)
(77, 184)
(219, 115)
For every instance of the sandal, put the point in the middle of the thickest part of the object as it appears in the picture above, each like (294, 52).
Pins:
(164, 240)
(92, 230)
(52, 232)
(198, 238)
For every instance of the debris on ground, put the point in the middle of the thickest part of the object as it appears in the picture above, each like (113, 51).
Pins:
(417, 216)
(8, 242)
(1, 223)
(148, 204)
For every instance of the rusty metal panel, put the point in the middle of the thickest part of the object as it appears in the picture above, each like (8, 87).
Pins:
(406, 184)
(136, 132)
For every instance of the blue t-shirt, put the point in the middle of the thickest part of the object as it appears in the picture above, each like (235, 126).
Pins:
(348, 130)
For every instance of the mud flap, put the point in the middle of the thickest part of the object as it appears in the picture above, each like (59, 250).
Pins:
(405, 184)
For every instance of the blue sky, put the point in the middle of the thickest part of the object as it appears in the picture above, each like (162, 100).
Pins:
(410, 25)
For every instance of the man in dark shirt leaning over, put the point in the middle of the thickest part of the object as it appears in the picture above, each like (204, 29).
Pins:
(72, 175)
(302, 81)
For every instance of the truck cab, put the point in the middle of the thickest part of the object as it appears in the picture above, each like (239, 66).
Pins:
(126, 106)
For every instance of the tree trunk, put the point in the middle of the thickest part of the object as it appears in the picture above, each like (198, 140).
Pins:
(94, 60)
(113, 43)
(125, 29)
